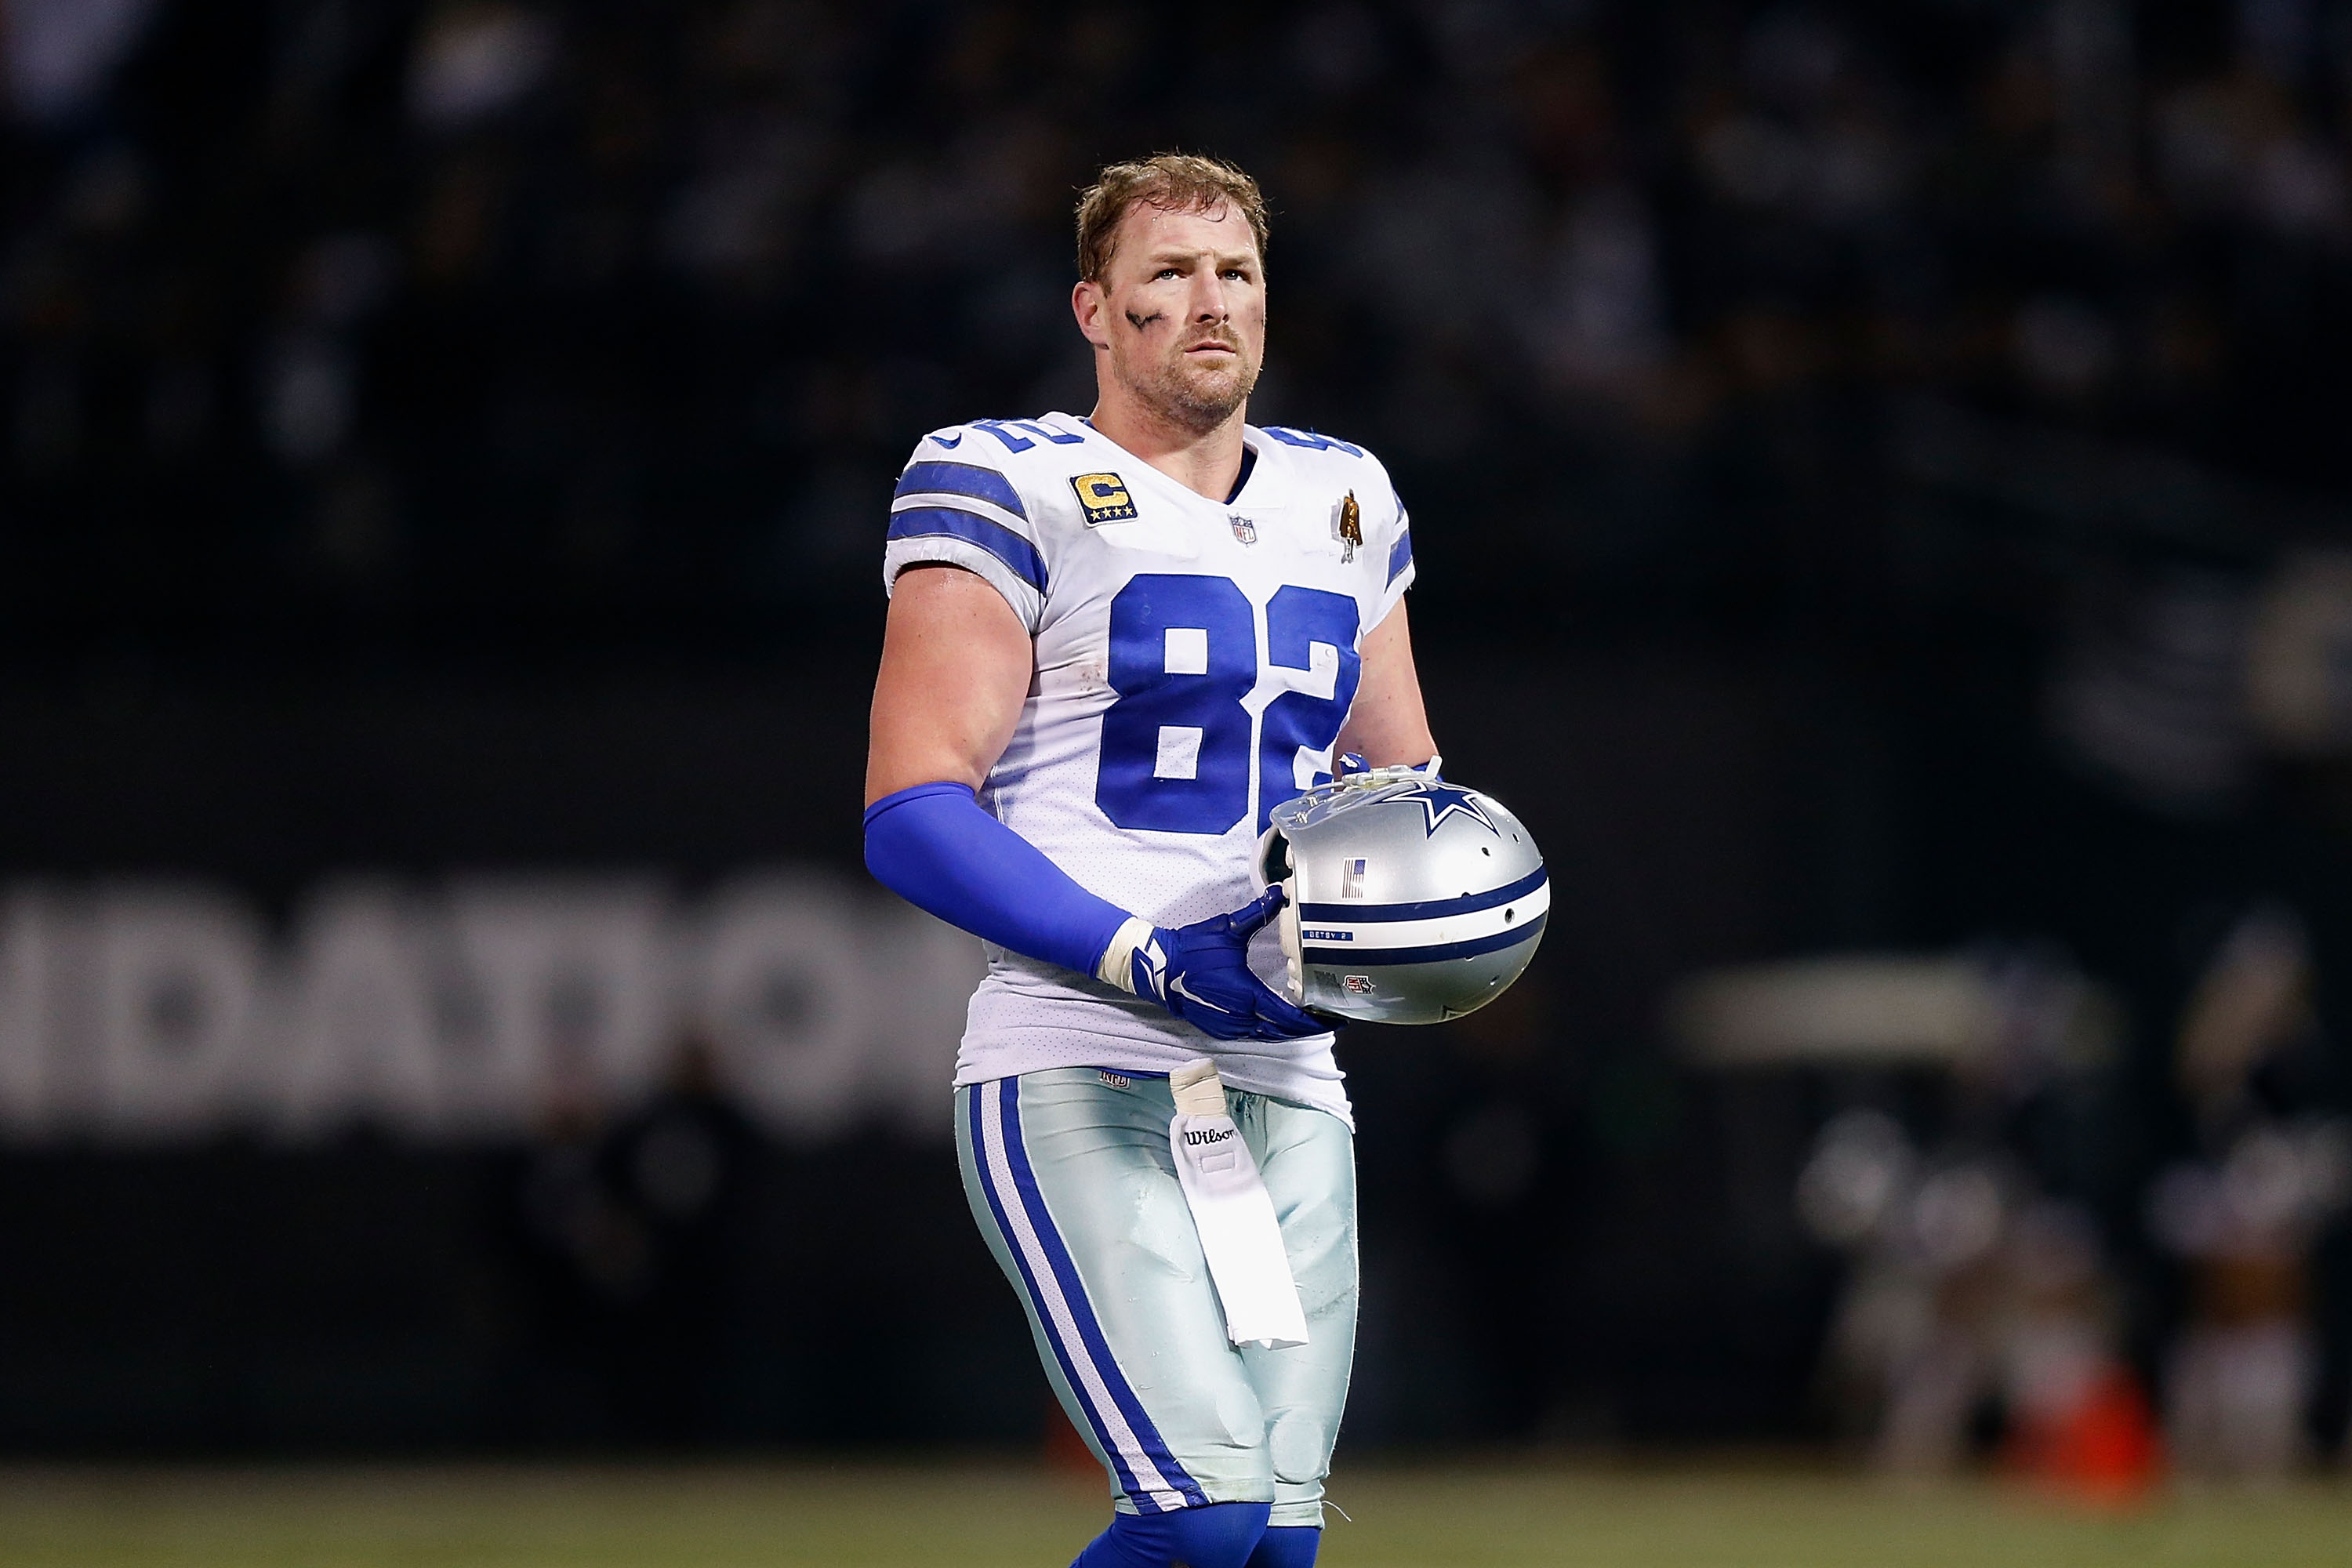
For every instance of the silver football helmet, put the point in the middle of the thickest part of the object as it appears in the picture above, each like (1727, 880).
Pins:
(1411, 900)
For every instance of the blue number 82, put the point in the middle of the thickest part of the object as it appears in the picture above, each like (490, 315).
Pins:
(1176, 754)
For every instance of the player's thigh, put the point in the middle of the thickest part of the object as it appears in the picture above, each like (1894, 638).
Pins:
(1072, 1176)
(1308, 1160)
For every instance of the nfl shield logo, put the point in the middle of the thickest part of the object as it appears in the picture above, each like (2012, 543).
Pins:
(1244, 530)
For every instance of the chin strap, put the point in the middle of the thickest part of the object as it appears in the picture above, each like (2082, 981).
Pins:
(1351, 764)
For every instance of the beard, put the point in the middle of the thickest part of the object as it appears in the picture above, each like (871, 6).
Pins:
(1186, 395)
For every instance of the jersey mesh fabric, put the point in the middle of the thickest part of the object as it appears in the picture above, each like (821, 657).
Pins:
(1062, 521)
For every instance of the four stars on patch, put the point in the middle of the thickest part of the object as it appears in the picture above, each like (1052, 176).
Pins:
(1104, 498)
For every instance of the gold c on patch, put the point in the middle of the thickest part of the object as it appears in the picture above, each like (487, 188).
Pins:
(1103, 498)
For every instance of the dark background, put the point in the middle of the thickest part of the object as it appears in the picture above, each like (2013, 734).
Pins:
(1800, 407)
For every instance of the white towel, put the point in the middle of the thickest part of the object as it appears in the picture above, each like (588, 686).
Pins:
(1233, 1213)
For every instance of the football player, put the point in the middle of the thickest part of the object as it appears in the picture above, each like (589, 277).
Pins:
(1115, 643)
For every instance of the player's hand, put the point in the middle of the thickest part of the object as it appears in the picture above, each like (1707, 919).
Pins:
(1200, 973)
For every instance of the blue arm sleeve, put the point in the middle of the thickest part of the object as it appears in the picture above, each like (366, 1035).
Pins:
(935, 847)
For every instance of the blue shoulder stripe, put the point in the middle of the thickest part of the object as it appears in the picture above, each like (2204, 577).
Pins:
(1401, 552)
(962, 480)
(928, 521)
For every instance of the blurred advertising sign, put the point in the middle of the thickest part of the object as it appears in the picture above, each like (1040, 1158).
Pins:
(480, 1008)
(2025, 1011)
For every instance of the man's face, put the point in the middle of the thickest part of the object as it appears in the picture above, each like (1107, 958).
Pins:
(1180, 313)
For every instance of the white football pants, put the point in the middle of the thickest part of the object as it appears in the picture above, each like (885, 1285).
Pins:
(1069, 1173)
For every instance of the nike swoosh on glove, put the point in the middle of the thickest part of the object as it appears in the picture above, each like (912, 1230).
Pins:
(1200, 973)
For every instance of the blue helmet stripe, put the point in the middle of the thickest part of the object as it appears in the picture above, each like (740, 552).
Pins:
(1427, 910)
(962, 480)
(919, 522)
(1371, 957)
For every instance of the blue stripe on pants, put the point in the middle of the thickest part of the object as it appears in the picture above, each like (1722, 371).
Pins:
(1074, 1334)
(1074, 1291)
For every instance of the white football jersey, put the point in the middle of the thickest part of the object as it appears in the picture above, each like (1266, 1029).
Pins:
(1196, 660)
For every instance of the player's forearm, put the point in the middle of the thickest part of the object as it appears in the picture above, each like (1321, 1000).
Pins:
(934, 846)
(1387, 723)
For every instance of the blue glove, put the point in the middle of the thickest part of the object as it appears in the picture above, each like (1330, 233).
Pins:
(1200, 973)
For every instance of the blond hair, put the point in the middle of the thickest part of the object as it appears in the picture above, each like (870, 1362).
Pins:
(1172, 182)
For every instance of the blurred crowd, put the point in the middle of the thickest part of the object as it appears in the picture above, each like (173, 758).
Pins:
(606, 309)
(1985, 1293)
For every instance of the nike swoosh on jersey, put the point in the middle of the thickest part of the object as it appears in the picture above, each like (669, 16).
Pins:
(950, 445)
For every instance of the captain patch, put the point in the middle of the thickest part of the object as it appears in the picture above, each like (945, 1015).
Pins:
(1103, 498)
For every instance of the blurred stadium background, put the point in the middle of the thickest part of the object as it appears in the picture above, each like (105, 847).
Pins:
(1881, 477)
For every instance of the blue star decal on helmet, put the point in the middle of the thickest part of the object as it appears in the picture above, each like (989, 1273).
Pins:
(1440, 800)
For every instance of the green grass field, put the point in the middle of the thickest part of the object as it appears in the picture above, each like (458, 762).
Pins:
(979, 1517)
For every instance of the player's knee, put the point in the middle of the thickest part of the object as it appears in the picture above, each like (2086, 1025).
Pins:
(1298, 1446)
